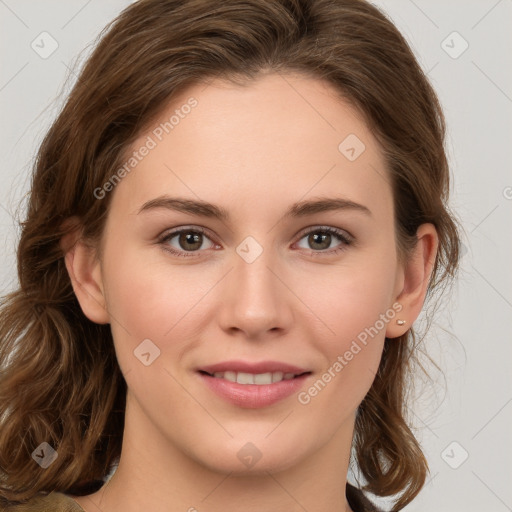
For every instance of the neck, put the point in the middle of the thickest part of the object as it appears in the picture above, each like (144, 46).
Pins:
(153, 474)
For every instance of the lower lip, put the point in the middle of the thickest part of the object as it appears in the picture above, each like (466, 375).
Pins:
(254, 396)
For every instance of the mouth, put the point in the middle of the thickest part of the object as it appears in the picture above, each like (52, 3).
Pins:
(259, 379)
(253, 385)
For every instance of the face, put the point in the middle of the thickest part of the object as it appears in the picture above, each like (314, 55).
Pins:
(261, 290)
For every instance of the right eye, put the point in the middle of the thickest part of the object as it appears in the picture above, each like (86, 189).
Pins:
(189, 241)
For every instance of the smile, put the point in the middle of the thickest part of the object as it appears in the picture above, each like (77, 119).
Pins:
(251, 378)
(252, 385)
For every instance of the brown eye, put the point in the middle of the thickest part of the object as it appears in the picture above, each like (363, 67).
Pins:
(319, 239)
(188, 241)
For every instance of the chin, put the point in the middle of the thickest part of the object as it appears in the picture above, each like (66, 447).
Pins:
(241, 456)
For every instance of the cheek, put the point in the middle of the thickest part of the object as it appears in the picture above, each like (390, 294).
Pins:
(355, 308)
(153, 300)
(357, 315)
(346, 300)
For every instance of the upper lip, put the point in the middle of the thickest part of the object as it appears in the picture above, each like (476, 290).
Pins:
(256, 368)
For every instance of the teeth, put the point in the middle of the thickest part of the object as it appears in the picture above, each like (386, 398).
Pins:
(263, 378)
(245, 378)
(251, 378)
(277, 376)
(231, 376)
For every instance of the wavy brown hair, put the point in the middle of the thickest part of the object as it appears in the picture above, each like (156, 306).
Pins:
(60, 382)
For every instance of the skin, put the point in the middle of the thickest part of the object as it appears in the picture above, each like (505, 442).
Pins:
(253, 150)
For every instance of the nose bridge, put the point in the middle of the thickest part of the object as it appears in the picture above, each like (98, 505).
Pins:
(256, 300)
(252, 269)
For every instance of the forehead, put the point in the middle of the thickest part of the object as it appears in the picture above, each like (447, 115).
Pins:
(270, 142)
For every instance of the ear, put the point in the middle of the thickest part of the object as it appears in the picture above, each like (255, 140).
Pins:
(84, 270)
(415, 279)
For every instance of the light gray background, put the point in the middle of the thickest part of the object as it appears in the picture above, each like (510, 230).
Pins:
(471, 338)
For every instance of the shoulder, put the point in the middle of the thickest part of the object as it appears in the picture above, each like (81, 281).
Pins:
(358, 501)
(53, 502)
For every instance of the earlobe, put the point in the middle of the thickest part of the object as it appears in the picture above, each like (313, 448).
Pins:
(84, 271)
(416, 277)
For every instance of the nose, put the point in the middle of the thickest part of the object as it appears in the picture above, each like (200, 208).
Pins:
(255, 298)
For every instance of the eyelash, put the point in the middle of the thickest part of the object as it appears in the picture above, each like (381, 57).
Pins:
(341, 235)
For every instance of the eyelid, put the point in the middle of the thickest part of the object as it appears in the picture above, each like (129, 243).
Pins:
(330, 229)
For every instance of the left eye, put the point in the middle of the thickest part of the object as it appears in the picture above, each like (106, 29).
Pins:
(325, 234)
(191, 241)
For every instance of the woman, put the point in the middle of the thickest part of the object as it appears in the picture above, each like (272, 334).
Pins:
(233, 224)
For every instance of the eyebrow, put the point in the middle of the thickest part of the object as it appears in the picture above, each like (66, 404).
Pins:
(206, 209)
